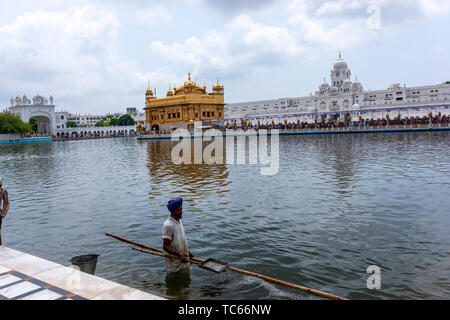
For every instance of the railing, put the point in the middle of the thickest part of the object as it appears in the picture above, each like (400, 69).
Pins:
(62, 138)
(317, 129)
(366, 128)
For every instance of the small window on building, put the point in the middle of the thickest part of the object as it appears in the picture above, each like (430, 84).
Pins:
(212, 114)
(178, 115)
(204, 113)
(170, 115)
(208, 114)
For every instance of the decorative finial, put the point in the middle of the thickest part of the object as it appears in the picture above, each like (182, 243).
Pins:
(189, 76)
(340, 56)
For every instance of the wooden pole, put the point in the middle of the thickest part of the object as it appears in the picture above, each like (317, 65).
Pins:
(133, 242)
(143, 245)
(160, 252)
(164, 255)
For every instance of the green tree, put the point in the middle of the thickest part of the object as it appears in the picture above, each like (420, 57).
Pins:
(34, 125)
(10, 124)
(126, 120)
(71, 124)
(114, 122)
(100, 123)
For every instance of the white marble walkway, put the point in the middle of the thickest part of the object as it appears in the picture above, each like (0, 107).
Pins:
(26, 277)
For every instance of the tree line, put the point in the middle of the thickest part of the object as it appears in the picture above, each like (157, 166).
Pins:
(12, 124)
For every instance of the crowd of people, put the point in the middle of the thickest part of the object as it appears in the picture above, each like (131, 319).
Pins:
(329, 123)
(95, 134)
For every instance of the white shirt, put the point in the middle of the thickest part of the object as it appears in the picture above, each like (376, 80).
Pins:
(173, 230)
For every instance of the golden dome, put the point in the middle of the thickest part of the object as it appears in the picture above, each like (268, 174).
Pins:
(218, 87)
(169, 92)
(190, 87)
(149, 92)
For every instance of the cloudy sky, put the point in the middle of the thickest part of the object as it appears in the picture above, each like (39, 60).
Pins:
(97, 56)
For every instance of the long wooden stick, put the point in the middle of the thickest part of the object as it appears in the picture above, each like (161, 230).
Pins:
(144, 245)
(164, 255)
(133, 242)
(160, 252)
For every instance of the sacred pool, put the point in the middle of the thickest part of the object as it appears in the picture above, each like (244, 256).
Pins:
(338, 204)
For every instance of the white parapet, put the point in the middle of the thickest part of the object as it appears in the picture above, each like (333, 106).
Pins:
(26, 277)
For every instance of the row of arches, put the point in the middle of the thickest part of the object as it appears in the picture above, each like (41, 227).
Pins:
(333, 106)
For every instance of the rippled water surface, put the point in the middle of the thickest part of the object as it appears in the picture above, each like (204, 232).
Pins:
(338, 204)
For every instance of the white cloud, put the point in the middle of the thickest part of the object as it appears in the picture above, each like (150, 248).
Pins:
(435, 7)
(71, 54)
(241, 45)
(153, 15)
(339, 7)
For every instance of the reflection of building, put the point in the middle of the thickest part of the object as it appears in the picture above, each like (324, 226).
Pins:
(344, 97)
(41, 109)
(195, 181)
(184, 105)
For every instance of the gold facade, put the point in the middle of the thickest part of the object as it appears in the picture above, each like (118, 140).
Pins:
(184, 105)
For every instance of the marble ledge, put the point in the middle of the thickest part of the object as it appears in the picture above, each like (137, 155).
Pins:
(67, 278)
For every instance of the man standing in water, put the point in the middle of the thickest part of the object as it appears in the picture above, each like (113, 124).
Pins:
(174, 242)
(174, 239)
(4, 206)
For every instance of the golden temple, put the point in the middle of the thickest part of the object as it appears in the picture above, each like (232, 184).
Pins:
(184, 105)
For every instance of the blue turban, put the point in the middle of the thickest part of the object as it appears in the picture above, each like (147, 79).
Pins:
(174, 204)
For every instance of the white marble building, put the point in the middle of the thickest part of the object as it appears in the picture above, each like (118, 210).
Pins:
(40, 108)
(342, 98)
(85, 119)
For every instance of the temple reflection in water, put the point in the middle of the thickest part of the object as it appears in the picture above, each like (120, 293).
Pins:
(193, 182)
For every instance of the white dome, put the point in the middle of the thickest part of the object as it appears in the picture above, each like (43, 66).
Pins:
(357, 86)
(347, 83)
(340, 64)
(324, 85)
(356, 106)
